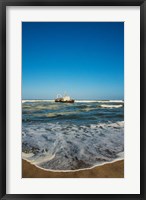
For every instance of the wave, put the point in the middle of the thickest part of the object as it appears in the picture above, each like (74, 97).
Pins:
(77, 101)
(111, 106)
(85, 101)
(58, 146)
(59, 114)
(110, 101)
(120, 158)
(117, 101)
(41, 107)
(31, 101)
(113, 125)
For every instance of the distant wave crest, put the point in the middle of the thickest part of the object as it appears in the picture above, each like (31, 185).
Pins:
(111, 106)
(77, 101)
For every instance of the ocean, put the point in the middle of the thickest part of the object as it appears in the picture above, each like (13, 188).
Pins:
(64, 136)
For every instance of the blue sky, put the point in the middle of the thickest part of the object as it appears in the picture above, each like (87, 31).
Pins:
(84, 59)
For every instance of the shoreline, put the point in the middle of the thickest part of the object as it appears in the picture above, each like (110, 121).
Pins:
(108, 170)
(74, 170)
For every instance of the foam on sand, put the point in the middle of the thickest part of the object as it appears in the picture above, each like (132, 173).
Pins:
(56, 146)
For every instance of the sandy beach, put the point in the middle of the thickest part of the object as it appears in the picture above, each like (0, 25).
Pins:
(110, 170)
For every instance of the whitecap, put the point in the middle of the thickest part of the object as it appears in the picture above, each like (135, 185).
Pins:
(111, 106)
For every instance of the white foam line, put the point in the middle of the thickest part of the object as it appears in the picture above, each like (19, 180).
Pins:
(76, 101)
(23, 101)
(44, 160)
(111, 106)
(51, 170)
(85, 101)
(99, 101)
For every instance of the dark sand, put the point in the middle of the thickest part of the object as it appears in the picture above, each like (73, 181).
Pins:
(110, 170)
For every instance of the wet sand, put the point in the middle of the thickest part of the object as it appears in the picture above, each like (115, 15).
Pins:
(110, 170)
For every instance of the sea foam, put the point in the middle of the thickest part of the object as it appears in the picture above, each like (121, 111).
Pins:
(56, 146)
(111, 106)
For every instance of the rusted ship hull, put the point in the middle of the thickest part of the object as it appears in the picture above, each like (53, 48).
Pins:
(63, 101)
(70, 101)
(58, 100)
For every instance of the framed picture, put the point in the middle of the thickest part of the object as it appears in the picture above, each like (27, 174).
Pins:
(72, 99)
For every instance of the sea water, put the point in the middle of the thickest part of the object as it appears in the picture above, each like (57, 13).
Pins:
(72, 136)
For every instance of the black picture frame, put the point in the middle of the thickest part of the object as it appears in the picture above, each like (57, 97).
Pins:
(3, 125)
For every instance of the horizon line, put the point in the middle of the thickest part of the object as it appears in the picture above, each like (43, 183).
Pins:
(81, 99)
